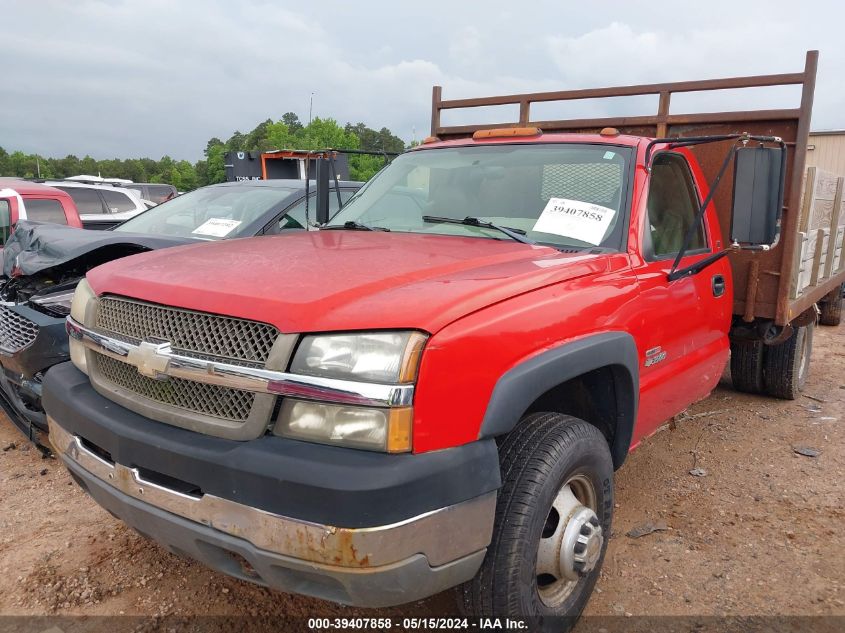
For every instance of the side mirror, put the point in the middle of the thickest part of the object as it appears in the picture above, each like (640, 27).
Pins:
(759, 176)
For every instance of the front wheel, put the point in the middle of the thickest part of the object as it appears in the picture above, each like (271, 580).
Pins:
(553, 518)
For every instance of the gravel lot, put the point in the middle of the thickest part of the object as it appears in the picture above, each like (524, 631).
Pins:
(759, 534)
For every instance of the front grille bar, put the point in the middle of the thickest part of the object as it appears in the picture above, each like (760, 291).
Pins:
(160, 361)
(16, 331)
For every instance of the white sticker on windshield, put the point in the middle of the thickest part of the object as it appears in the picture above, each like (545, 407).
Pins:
(217, 227)
(581, 221)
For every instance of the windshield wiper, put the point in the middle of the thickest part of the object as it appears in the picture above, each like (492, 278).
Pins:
(514, 234)
(351, 225)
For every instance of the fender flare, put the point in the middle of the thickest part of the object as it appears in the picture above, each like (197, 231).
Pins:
(521, 385)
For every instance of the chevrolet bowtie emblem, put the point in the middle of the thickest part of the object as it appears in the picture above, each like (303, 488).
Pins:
(149, 358)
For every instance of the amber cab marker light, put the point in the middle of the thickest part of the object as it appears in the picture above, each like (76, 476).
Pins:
(609, 131)
(504, 132)
(399, 430)
(430, 139)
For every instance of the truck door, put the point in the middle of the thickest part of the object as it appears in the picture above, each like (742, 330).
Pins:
(684, 322)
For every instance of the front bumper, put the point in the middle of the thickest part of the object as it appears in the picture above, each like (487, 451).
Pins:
(389, 550)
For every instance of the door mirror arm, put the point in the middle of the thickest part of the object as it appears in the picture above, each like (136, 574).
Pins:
(697, 267)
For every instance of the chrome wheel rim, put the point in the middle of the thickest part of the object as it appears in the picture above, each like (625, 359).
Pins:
(571, 541)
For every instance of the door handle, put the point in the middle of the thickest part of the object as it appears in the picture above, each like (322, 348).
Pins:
(718, 282)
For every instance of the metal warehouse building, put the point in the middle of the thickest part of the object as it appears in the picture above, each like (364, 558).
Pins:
(826, 150)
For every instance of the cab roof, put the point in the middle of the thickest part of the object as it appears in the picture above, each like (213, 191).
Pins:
(547, 137)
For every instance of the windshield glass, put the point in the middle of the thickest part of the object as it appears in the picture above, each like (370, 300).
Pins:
(210, 213)
(564, 195)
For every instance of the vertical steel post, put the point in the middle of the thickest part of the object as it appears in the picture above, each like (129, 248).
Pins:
(323, 169)
(793, 209)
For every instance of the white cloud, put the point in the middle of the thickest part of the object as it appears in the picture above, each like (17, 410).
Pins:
(150, 77)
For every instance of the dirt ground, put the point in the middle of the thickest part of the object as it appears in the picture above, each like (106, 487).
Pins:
(760, 533)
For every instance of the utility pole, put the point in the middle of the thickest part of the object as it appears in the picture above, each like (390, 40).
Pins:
(310, 107)
(38, 167)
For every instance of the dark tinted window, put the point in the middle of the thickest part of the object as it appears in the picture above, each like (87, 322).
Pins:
(45, 210)
(160, 193)
(672, 205)
(87, 200)
(5, 221)
(117, 202)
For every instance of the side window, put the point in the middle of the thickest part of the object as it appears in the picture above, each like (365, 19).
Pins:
(672, 205)
(87, 200)
(161, 193)
(294, 218)
(5, 221)
(117, 202)
(45, 210)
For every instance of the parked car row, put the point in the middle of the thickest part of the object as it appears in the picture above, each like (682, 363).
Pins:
(96, 204)
(42, 264)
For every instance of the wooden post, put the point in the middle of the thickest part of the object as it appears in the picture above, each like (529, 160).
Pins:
(663, 113)
(524, 111)
(436, 93)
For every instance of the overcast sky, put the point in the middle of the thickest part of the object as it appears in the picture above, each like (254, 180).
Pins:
(151, 77)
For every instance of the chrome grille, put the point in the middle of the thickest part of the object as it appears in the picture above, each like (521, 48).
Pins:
(16, 331)
(196, 397)
(198, 333)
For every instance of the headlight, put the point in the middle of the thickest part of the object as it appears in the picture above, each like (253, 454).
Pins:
(387, 357)
(82, 297)
(57, 303)
(355, 427)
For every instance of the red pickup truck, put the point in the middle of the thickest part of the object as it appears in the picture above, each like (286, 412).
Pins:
(26, 200)
(435, 388)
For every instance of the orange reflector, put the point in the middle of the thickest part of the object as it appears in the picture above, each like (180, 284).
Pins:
(609, 131)
(504, 132)
(399, 430)
(411, 357)
(430, 139)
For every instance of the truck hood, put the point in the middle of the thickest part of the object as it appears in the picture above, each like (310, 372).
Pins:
(342, 280)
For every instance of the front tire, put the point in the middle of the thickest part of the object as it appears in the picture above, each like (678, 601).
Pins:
(553, 517)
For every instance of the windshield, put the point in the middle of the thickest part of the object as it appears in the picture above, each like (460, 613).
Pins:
(564, 195)
(210, 213)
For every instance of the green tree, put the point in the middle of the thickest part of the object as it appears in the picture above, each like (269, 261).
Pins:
(215, 165)
(326, 133)
(292, 121)
(236, 142)
(279, 136)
